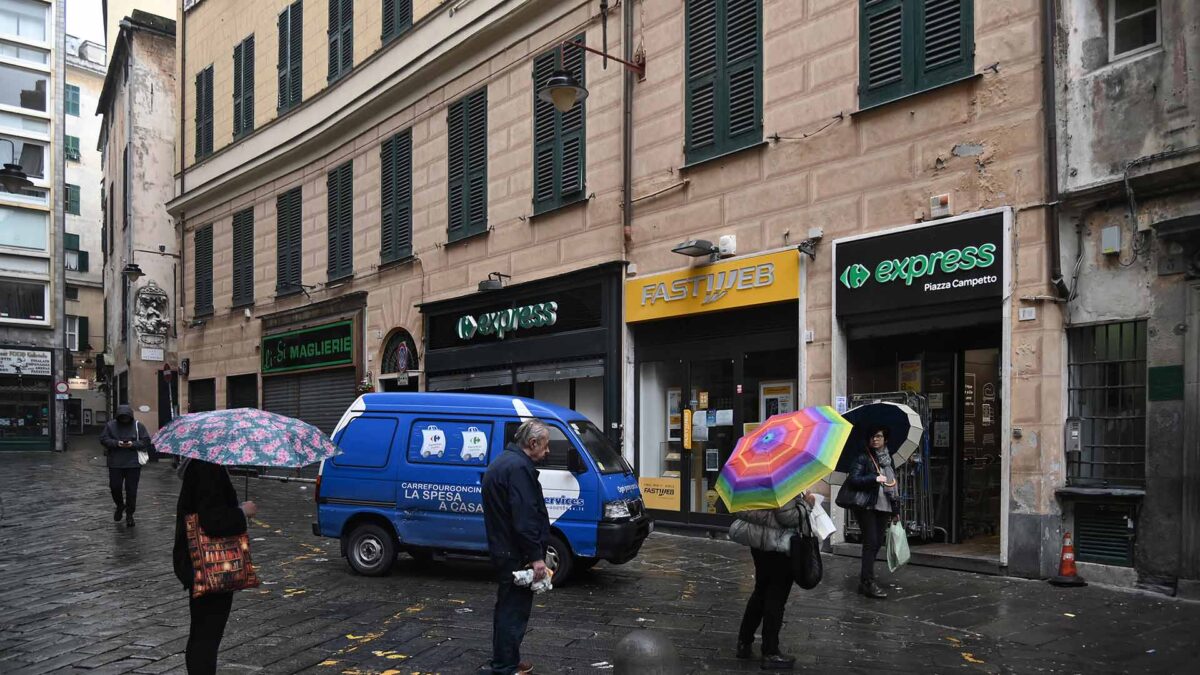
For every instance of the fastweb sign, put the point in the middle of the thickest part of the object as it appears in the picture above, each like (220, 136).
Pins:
(947, 263)
(914, 267)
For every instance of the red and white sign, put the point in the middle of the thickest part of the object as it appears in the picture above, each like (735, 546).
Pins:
(61, 387)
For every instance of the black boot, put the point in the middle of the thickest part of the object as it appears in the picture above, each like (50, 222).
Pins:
(118, 513)
(872, 589)
(778, 662)
(743, 650)
(129, 520)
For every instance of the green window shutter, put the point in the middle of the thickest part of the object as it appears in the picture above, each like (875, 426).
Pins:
(126, 179)
(477, 162)
(203, 273)
(243, 87)
(288, 242)
(71, 100)
(199, 114)
(572, 132)
(341, 37)
(397, 18)
(396, 200)
(456, 161)
(723, 46)
(83, 261)
(546, 145)
(85, 343)
(347, 36)
(742, 90)
(291, 32)
(701, 57)
(340, 201)
(204, 113)
(243, 257)
(72, 206)
(70, 241)
(946, 48)
(71, 146)
(884, 59)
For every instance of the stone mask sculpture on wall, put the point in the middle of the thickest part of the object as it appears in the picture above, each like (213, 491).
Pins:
(150, 315)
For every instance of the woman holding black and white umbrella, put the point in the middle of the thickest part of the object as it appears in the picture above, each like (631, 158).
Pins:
(870, 492)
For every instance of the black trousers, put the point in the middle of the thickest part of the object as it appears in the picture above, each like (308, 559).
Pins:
(873, 524)
(209, 615)
(772, 584)
(511, 618)
(123, 483)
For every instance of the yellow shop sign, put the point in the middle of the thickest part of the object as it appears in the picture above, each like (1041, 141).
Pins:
(744, 282)
(660, 493)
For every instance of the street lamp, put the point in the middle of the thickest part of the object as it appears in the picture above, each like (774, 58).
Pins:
(698, 248)
(564, 91)
(133, 272)
(12, 177)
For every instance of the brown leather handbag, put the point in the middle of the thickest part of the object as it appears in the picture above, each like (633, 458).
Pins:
(220, 564)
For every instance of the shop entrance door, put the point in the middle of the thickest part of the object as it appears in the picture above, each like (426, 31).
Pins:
(711, 397)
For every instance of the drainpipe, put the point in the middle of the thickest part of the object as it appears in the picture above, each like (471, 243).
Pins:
(1049, 27)
(627, 129)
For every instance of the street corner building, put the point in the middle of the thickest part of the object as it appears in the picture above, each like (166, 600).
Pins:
(680, 218)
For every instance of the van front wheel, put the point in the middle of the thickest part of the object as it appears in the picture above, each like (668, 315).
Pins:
(370, 550)
(559, 558)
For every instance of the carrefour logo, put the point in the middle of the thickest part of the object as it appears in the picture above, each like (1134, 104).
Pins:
(914, 267)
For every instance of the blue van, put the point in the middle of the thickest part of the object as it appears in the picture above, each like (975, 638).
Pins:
(410, 479)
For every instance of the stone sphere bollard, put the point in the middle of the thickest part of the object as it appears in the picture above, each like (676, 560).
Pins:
(646, 652)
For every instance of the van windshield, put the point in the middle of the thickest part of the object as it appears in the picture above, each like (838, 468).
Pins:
(606, 455)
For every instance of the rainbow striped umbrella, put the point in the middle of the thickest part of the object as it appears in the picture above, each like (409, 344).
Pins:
(786, 455)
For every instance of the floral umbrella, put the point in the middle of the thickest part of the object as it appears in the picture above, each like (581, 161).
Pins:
(245, 437)
(786, 455)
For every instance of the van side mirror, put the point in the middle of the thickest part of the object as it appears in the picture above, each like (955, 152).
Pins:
(575, 463)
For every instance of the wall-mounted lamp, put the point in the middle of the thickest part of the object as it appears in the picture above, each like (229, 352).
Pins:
(564, 91)
(698, 248)
(809, 248)
(12, 176)
(132, 272)
(494, 282)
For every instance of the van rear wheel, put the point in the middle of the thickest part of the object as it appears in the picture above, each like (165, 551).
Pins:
(370, 550)
(559, 558)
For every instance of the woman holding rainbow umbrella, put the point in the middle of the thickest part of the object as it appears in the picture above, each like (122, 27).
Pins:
(763, 484)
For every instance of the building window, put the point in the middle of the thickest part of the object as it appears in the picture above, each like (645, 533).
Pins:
(291, 52)
(76, 259)
(31, 155)
(23, 300)
(341, 38)
(71, 147)
(204, 113)
(1133, 27)
(24, 18)
(126, 181)
(243, 257)
(288, 243)
(396, 200)
(467, 157)
(1107, 393)
(23, 88)
(71, 100)
(71, 293)
(558, 138)
(723, 52)
(397, 18)
(24, 228)
(108, 219)
(340, 184)
(203, 240)
(72, 333)
(909, 46)
(243, 87)
(72, 199)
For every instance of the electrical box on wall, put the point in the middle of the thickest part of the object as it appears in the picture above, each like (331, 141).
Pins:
(1110, 240)
(939, 206)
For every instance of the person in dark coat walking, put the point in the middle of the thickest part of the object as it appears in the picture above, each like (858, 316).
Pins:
(122, 438)
(870, 492)
(514, 514)
(208, 492)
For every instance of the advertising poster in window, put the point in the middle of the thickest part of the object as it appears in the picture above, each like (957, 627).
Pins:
(776, 398)
(910, 376)
(660, 493)
(674, 416)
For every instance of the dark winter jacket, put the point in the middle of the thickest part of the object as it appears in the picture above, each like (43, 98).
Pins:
(514, 511)
(208, 492)
(124, 427)
(860, 490)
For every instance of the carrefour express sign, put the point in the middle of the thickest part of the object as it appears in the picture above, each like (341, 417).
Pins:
(952, 262)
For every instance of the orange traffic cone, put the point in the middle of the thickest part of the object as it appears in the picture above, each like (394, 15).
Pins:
(1067, 576)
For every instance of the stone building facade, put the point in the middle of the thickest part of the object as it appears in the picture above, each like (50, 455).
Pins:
(342, 236)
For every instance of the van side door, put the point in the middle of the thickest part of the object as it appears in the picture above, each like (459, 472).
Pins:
(440, 496)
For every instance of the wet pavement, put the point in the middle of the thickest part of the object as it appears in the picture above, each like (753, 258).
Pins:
(81, 593)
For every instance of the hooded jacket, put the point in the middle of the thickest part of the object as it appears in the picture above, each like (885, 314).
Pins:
(124, 427)
(771, 529)
(208, 492)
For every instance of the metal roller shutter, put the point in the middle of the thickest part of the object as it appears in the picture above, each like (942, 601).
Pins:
(317, 398)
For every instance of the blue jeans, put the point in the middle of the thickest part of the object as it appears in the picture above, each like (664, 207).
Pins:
(513, 606)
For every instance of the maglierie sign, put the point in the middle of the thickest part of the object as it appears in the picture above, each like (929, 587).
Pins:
(952, 262)
(741, 282)
(323, 346)
(507, 321)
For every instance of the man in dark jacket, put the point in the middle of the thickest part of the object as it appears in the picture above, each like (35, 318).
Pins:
(122, 438)
(208, 492)
(514, 514)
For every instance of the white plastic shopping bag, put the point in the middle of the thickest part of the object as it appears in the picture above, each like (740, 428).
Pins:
(822, 525)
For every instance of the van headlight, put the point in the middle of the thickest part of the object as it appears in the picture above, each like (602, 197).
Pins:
(618, 510)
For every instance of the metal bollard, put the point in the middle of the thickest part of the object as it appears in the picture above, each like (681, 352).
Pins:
(646, 652)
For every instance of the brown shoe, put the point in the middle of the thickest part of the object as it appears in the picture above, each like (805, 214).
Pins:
(524, 667)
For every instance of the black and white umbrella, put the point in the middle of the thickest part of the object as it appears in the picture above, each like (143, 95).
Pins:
(904, 426)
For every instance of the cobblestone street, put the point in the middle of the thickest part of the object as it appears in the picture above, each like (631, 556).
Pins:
(81, 593)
